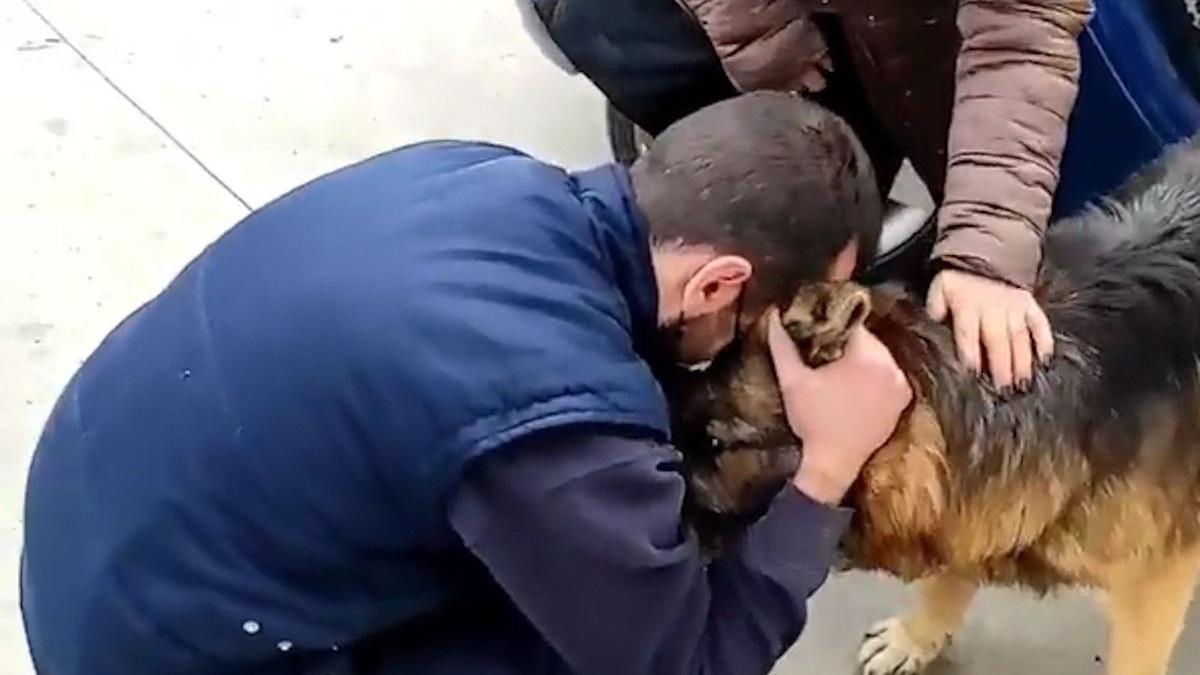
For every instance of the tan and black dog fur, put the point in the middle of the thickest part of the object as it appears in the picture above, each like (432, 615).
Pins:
(1089, 479)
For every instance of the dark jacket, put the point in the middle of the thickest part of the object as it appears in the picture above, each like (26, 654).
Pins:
(976, 92)
(253, 468)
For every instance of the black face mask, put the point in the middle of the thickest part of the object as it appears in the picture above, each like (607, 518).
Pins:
(660, 347)
(663, 348)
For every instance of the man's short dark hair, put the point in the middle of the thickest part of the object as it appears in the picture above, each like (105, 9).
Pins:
(772, 177)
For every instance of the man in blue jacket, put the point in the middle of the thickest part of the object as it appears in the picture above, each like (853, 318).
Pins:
(403, 420)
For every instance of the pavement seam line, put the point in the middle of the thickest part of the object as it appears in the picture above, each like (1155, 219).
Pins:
(137, 106)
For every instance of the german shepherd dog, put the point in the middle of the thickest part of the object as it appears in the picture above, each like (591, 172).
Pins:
(1090, 478)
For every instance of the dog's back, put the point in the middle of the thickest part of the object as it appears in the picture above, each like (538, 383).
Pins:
(1122, 280)
(1093, 477)
(1101, 459)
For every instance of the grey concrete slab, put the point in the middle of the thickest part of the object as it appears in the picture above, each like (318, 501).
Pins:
(1007, 632)
(97, 212)
(270, 94)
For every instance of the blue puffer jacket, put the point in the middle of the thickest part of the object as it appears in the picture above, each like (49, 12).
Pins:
(252, 467)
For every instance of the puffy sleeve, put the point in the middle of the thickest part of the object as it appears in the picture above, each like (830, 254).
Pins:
(763, 44)
(1018, 75)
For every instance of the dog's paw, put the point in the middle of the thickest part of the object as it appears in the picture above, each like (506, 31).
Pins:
(889, 649)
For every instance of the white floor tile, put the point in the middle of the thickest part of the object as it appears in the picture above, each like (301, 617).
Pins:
(270, 94)
(97, 212)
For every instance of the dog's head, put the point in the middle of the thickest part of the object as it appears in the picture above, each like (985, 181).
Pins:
(729, 421)
(739, 449)
(821, 318)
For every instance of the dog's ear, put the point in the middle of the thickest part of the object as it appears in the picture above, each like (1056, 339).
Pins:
(826, 309)
(851, 308)
(801, 316)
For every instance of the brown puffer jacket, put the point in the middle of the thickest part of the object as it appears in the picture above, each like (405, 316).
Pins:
(976, 93)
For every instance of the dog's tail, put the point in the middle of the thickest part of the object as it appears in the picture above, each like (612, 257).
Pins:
(1122, 279)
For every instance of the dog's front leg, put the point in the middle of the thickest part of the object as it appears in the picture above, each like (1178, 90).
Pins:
(907, 645)
(1147, 605)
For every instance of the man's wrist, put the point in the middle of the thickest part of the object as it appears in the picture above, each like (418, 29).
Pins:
(821, 484)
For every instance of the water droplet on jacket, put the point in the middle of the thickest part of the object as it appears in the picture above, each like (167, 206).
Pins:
(186, 374)
(284, 645)
(251, 627)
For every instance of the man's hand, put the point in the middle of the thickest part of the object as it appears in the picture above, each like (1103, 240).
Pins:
(843, 412)
(1005, 320)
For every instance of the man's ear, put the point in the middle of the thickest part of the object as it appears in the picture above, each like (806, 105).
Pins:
(842, 268)
(716, 285)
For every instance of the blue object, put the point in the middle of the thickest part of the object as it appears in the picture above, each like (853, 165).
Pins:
(251, 469)
(1134, 99)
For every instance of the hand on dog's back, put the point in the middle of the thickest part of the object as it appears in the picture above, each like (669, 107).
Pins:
(842, 412)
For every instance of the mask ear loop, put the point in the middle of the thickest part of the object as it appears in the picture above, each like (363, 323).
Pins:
(737, 330)
(737, 316)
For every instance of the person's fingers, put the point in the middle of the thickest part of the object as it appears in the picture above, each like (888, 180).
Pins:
(861, 343)
(903, 382)
(1043, 335)
(935, 303)
(881, 353)
(1022, 349)
(966, 338)
(789, 367)
(997, 341)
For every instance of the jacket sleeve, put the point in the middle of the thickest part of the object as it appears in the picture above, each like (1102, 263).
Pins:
(582, 530)
(763, 44)
(1018, 74)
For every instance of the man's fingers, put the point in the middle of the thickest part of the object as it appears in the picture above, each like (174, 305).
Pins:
(935, 304)
(788, 364)
(1022, 349)
(1039, 327)
(860, 341)
(864, 346)
(998, 342)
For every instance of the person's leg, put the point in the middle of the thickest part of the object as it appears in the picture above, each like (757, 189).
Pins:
(1134, 86)
(649, 57)
(1180, 24)
(846, 95)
